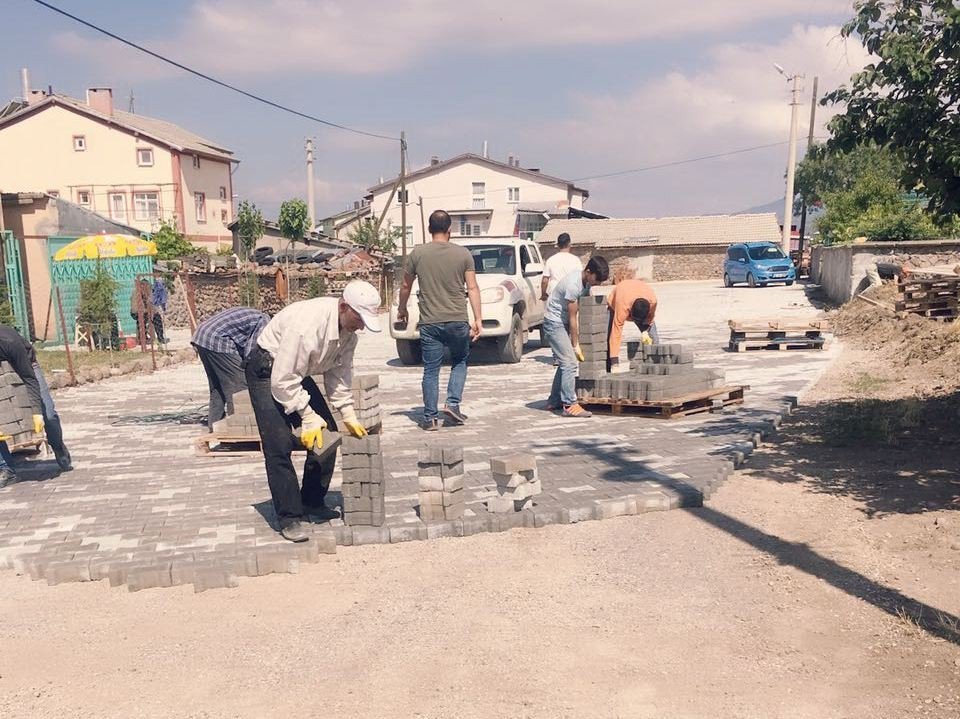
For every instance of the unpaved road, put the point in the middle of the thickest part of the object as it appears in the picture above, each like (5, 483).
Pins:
(662, 615)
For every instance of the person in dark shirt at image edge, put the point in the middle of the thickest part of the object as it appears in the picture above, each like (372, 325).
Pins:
(23, 358)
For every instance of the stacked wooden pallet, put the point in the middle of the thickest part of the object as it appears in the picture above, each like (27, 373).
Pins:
(778, 334)
(936, 297)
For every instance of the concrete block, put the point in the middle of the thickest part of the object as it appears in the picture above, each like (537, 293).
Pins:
(365, 381)
(371, 535)
(499, 505)
(454, 511)
(437, 530)
(453, 469)
(358, 519)
(368, 445)
(451, 498)
(71, 570)
(431, 498)
(428, 483)
(408, 533)
(513, 463)
(213, 578)
(453, 483)
(276, 561)
(357, 504)
(429, 469)
(476, 524)
(149, 577)
(431, 512)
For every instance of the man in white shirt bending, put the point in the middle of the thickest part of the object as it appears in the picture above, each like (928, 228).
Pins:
(558, 266)
(307, 339)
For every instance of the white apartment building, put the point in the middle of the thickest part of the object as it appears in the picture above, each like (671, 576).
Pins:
(484, 198)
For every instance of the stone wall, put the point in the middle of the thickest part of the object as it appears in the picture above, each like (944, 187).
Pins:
(688, 263)
(841, 270)
(659, 264)
(212, 292)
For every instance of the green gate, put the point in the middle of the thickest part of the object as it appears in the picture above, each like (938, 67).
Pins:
(66, 275)
(15, 291)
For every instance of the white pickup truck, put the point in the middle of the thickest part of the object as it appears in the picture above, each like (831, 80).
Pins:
(508, 273)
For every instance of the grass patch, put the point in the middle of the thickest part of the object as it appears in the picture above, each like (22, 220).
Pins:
(867, 383)
(871, 423)
(56, 360)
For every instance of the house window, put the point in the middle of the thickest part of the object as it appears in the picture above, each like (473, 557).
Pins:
(79, 143)
(196, 161)
(223, 192)
(223, 216)
(479, 195)
(468, 229)
(146, 206)
(118, 206)
(200, 203)
(83, 198)
(403, 196)
(145, 157)
(513, 194)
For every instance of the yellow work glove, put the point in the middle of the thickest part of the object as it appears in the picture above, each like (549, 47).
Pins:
(646, 338)
(356, 429)
(311, 429)
(578, 352)
(38, 423)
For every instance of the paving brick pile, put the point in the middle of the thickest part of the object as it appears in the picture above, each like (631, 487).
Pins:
(657, 372)
(517, 483)
(16, 413)
(242, 423)
(363, 486)
(440, 480)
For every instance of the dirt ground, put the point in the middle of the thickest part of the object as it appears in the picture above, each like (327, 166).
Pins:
(820, 582)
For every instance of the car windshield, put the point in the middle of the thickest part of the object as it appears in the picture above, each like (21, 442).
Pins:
(494, 259)
(766, 252)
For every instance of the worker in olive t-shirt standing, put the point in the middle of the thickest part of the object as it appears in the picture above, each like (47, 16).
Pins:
(443, 269)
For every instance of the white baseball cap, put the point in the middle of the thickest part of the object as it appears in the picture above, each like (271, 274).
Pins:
(364, 298)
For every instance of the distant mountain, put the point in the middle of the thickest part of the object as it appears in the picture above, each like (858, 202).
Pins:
(776, 206)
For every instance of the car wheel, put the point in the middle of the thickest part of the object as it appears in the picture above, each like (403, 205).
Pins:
(409, 351)
(763, 284)
(510, 347)
(751, 280)
(789, 282)
(726, 280)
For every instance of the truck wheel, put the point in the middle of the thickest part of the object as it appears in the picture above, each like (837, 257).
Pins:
(510, 347)
(409, 351)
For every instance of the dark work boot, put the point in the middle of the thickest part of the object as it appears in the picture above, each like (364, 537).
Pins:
(295, 531)
(320, 512)
(7, 477)
(63, 459)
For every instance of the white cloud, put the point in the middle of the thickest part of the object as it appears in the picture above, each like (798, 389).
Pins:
(736, 101)
(236, 37)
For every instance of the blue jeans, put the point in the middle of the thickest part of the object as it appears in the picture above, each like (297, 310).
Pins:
(564, 389)
(51, 420)
(433, 338)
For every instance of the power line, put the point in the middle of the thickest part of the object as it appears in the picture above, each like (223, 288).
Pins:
(214, 80)
(681, 162)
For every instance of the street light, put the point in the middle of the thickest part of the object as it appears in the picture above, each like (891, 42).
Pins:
(791, 157)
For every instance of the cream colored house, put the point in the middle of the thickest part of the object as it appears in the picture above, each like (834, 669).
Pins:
(484, 198)
(132, 169)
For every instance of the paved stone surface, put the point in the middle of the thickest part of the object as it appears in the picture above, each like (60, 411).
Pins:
(141, 509)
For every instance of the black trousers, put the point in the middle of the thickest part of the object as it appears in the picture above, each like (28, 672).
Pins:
(278, 441)
(157, 321)
(224, 378)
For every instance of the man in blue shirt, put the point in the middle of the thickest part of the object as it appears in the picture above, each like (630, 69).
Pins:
(561, 324)
(223, 341)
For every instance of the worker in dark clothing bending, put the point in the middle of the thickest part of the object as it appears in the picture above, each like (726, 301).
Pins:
(22, 357)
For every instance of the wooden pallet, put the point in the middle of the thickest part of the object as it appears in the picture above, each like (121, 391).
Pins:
(39, 444)
(683, 406)
(935, 298)
(780, 325)
(779, 344)
(239, 445)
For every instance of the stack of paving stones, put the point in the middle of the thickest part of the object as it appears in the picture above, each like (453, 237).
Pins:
(366, 402)
(517, 483)
(242, 423)
(594, 323)
(440, 479)
(16, 413)
(363, 487)
(657, 373)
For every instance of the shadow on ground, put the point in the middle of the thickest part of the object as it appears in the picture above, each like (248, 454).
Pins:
(893, 456)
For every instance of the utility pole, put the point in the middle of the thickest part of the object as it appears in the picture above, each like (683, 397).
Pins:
(130, 103)
(403, 193)
(311, 209)
(803, 205)
(423, 223)
(791, 164)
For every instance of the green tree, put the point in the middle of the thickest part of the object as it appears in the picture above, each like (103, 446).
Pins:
(365, 235)
(250, 226)
(907, 98)
(825, 171)
(294, 220)
(98, 305)
(171, 243)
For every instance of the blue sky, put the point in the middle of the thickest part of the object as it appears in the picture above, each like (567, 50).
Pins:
(574, 88)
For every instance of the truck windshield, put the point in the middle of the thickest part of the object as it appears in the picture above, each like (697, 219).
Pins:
(494, 259)
(768, 252)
